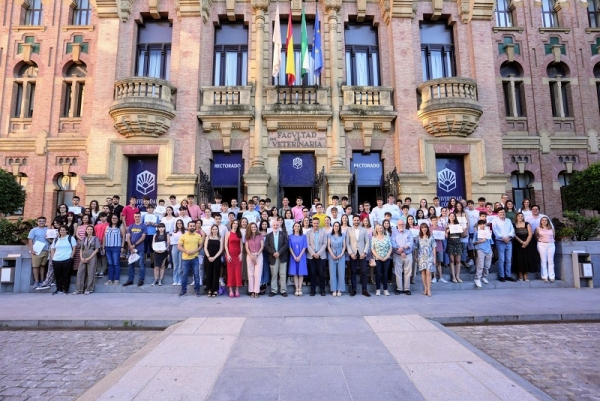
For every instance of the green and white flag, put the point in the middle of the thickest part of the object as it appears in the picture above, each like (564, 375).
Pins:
(304, 46)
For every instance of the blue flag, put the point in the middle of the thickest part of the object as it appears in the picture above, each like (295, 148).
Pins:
(317, 47)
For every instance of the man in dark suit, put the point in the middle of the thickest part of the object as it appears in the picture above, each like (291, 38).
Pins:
(276, 245)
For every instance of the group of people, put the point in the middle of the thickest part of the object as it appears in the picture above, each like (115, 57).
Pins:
(256, 245)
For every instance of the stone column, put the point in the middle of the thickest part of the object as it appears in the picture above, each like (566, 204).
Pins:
(338, 176)
(257, 177)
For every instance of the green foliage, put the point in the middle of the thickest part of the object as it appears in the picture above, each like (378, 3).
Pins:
(582, 191)
(577, 227)
(12, 196)
(15, 233)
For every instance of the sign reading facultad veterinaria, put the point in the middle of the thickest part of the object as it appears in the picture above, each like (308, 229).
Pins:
(297, 139)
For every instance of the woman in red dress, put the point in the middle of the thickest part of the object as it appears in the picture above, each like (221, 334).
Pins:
(233, 249)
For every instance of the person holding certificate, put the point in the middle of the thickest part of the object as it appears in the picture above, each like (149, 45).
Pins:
(482, 240)
(454, 249)
(160, 245)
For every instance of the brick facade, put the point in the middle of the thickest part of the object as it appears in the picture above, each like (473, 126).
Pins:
(100, 150)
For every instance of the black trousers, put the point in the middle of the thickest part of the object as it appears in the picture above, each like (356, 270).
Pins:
(317, 272)
(62, 272)
(359, 266)
(212, 270)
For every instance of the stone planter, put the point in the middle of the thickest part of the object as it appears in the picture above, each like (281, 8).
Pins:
(564, 263)
(23, 276)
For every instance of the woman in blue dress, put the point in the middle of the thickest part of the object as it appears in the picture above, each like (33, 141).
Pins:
(297, 263)
(336, 245)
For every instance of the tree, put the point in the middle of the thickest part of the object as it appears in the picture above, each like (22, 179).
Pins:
(582, 191)
(12, 196)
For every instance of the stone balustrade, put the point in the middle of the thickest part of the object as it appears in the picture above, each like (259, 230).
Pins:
(449, 106)
(143, 106)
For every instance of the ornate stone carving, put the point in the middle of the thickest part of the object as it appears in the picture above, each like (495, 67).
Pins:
(464, 9)
(483, 10)
(296, 7)
(262, 5)
(112, 8)
(334, 5)
(397, 9)
(206, 4)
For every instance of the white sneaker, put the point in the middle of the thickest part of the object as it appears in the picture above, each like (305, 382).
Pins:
(377, 292)
(485, 280)
(174, 284)
(471, 263)
(386, 293)
(477, 283)
(193, 282)
(434, 280)
(442, 280)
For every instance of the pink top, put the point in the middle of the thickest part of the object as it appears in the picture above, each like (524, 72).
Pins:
(545, 235)
(254, 243)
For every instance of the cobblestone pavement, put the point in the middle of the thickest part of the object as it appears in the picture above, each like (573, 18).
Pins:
(61, 365)
(560, 359)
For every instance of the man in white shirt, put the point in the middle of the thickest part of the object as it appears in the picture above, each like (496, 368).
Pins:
(411, 210)
(504, 232)
(436, 205)
(175, 205)
(378, 213)
(393, 209)
(334, 205)
(183, 216)
(234, 207)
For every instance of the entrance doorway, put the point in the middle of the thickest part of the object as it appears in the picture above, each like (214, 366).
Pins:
(226, 176)
(367, 179)
(297, 172)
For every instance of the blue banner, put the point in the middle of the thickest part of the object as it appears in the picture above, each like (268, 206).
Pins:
(226, 169)
(368, 169)
(142, 178)
(450, 179)
(297, 170)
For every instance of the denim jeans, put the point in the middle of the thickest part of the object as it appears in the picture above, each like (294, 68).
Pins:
(176, 258)
(188, 264)
(266, 273)
(504, 258)
(381, 268)
(337, 274)
(142, 263)
(113, 254)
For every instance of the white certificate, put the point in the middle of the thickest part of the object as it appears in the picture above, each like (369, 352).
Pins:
(150, 218)
(215, 208)
(160, 246)
(161, 210)
(52, 233)
(462, 221)
(484, 234)
(75, 209)
(289, 225)
(419, 222)
(455, 229)
(437, 234)
(415, 232)
(38, 246)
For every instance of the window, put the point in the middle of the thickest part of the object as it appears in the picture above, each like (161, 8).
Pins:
(549, 17)
(437, 51)
(33, 14)
(597, 76)
(154, 49)
(21, 179)
(231, 55)
(82, 13)
(24, 93)
(522, 188)
(559, 90)
(594, 13)
(74, 88)
(309, 78)
(512, 83)
(503, 14)
(564, 179)
(362, 55)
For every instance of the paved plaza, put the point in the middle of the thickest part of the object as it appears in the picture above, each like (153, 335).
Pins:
(560, 359)
(320, 348)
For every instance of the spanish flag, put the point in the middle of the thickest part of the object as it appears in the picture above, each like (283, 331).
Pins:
(290, 64)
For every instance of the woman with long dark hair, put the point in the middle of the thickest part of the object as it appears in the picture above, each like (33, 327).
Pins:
(177, 232)
(160, 246)
(425, 245)
(254, 246)
(233, 250)
(213, 248)
(62, 252)
(297, 266)
(114, 242)
(336, 247)
(88, 256)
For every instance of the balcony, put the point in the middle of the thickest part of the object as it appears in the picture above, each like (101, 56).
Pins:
(226, 108)
(449, 106)
(143, 106)
(367, 109)
(297, 106)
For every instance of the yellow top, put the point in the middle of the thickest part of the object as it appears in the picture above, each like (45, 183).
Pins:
(190, 242)
(321, 217)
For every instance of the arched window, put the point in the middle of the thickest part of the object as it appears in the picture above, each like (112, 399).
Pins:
(564, 179)
(559, 89)
(512, 83)
(521, 187)
(73, 90)
(65, 185)
(24, 91)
